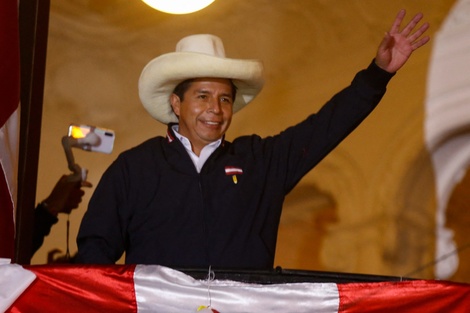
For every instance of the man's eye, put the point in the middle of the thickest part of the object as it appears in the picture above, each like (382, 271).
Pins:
(226, 99)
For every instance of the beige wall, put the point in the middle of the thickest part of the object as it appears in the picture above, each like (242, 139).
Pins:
(367, 208)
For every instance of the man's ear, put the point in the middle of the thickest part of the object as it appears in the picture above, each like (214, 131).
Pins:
(175, 104)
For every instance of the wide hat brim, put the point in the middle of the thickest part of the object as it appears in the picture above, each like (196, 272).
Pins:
(161, 75)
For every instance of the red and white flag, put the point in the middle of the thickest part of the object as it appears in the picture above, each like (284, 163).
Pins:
(9, 122)
(153, 288)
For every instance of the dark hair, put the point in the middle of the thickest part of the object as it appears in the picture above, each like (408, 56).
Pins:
(182, 87)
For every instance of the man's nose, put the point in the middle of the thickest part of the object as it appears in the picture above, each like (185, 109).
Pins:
(214, 105)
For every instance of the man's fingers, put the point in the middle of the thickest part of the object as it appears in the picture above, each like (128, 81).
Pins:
(420, 42)
(412, 24)
(398, 19)
(419, 32)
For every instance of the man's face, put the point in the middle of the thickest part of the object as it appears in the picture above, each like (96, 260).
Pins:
(205, 112)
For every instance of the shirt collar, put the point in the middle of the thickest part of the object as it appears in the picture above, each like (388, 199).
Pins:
(187, 144)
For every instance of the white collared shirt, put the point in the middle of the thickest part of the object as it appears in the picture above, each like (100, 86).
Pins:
(205, 152)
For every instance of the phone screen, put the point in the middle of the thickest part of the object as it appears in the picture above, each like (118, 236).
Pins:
(106, 136)
(77, 131)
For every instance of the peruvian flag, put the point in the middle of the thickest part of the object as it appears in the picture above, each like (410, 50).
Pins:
(153, 288)
(9, 122)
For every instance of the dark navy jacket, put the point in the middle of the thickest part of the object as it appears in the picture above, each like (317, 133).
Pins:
(153, 205)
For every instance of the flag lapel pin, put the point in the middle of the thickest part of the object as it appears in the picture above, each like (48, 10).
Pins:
(233, 171)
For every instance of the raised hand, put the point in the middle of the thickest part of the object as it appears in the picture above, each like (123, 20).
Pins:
(397, 46)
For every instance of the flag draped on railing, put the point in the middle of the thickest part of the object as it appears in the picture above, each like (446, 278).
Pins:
(153, 288)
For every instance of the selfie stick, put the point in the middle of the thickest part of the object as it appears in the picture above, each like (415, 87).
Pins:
(91, 139)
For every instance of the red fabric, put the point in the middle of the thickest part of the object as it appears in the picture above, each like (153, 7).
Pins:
(7, 230)
(409, 296)
(79, 288)
(9, 59)
(10, 95)
(110, 288)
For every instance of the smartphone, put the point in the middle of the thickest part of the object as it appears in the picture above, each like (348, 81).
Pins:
(104, 143)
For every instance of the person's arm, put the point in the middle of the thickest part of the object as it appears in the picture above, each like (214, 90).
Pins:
(64, 197)
(100, 239)
(43, 222)
(309, 142)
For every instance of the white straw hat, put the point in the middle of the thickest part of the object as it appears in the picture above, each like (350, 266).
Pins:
(196, 56)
